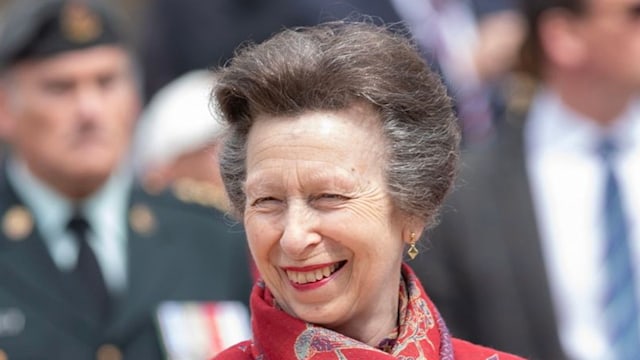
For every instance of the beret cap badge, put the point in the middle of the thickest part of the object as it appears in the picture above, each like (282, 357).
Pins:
(79, 23)
(43, 28)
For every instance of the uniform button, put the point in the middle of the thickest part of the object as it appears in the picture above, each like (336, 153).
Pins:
(3, 355)
(108, 352)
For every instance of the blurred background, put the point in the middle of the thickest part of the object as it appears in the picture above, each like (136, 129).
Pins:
(531, 81)
(472, 43)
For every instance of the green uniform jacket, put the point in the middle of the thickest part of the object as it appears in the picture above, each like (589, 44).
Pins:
(176, 251)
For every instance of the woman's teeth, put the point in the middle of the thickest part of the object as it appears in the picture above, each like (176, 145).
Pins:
(306, 277)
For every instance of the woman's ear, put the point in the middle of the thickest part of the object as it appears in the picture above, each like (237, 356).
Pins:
(560, 38)
(412, 230)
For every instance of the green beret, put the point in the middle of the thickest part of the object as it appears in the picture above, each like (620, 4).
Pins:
(41, 28)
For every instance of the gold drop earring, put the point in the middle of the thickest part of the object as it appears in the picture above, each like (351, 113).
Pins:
(413, 250)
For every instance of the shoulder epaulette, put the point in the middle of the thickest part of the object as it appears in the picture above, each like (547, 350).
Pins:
(201, 193)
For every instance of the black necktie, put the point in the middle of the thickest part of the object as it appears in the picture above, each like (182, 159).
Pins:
(87, 275)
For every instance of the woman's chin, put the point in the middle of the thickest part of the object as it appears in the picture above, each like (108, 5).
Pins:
(328, 320)
(326, 314)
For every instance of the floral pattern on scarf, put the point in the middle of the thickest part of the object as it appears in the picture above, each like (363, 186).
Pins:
(422, 334)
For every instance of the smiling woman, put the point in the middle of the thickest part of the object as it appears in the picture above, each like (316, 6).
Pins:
(342, 145)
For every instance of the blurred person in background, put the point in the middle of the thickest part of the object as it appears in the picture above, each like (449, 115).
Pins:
(88, 259)
(501, 30)
(474, 45)
(178, 140)
(538, 252)
(179, 36)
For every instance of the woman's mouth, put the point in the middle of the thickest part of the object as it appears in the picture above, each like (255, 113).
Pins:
(311, 276)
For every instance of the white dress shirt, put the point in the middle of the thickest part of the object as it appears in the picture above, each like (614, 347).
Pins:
(567, 183)
(106, 212)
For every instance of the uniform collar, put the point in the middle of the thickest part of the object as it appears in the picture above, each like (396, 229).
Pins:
(103, 209)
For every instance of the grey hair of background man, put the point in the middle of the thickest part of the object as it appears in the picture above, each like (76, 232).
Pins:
(331, 67)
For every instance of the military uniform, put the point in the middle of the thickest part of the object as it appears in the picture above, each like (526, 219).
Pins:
(175, 251)
(168, 250)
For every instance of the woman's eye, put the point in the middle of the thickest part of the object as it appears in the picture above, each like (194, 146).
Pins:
(333, 197)
(263, 200)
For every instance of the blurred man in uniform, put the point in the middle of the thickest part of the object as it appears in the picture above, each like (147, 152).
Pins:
(87, 257)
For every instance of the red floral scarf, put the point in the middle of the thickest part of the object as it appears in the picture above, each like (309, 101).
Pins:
(421, 334)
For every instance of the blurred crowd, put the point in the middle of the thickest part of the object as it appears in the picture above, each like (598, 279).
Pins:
(473, 44)
(545, 93)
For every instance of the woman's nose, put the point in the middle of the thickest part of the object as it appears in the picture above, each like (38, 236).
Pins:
(300, 234)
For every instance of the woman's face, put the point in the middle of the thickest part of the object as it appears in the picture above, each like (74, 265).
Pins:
(320, 223)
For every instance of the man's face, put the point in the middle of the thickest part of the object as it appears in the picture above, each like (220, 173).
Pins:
(71, 116)
(611, 30)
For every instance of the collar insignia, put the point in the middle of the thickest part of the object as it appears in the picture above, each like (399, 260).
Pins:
(17, 223)
(142, 219)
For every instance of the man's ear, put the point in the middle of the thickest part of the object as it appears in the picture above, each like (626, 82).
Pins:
(560, 38)
(7, 117)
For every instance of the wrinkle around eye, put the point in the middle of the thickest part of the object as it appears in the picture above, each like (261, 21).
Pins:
(333, 197)
(330, 201)
(267, 205)
(265, 201)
